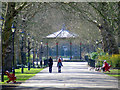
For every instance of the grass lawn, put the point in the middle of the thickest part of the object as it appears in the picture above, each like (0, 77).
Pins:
(114, 72)
(21, 77)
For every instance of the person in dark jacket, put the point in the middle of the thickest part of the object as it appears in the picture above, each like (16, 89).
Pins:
(50, 63)
(59, 64)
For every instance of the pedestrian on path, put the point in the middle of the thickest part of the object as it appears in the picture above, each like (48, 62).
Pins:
(50, 63)
(61, 58)
(59, 64)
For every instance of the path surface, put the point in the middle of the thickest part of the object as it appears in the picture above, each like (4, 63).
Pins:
(74, 75)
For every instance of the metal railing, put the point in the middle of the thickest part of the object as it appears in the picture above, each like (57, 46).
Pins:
(91, 63)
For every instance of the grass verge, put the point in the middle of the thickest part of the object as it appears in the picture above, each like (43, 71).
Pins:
(21, 77)
(114, 72)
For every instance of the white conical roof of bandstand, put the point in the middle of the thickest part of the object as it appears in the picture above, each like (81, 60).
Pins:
(63, 33)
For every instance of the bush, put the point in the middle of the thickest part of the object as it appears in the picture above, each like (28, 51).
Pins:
(113, 60)
(94, 55)
(99, 64)
(100, 56)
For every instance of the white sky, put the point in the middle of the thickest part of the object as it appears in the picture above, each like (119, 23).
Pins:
(59, 0)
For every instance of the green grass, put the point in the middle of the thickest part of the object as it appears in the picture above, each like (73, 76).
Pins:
(114, 72)
(21, 77)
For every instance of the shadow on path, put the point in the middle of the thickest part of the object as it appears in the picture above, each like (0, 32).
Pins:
(74, 76)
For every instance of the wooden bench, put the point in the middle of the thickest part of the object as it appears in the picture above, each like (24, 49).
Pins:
(11, 77)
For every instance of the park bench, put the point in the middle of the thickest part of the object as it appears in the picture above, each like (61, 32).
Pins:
(11, 77)
(108, 68)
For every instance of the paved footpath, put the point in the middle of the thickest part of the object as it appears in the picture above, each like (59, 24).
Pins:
(74, 75)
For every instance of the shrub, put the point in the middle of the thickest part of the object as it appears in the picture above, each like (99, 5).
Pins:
(99, 64)
(113, 60)
(94, 55)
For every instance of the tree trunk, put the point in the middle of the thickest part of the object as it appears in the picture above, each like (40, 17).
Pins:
(119, 36)
(119, 24)
(10, 13)
(109, 42)
(6, 37)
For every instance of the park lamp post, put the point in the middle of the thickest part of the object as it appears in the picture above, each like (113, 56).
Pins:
(28, 52)
(37, 52)
(97, 43)
(13, 33)
(33, 52)
(22, 51)
(1, 23)
(47, 49)
(70, 50)
(41, 53)
(80, 51)
(88, 46)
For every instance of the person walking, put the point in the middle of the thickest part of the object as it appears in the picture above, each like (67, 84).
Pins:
(50, 63)
(61, 58)
(59, 64)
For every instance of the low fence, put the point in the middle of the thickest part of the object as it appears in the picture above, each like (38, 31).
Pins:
(86, 58)
(91, 63)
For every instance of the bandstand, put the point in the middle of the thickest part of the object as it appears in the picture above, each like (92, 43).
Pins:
(61, 35)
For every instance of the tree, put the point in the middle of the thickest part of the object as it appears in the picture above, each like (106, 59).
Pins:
(118, 31)
(10, 12)
(108, 13)
(19, 14)
(103, 18)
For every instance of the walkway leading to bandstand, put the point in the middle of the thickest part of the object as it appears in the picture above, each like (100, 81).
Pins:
(74, 75)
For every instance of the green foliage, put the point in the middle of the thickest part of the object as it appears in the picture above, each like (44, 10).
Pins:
(100, 56)
(113, 60)
(94, 55)
(100, 52)
(44, 58)
(99, 64)
(31, 57)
